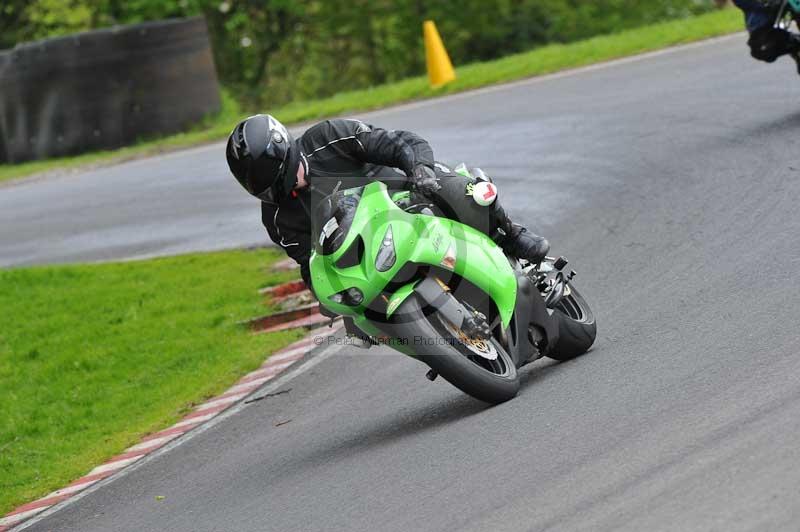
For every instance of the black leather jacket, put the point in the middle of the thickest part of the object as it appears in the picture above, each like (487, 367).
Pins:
(346, 151)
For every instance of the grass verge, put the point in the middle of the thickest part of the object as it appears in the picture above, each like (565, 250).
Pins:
(93, 357)
(544, 60)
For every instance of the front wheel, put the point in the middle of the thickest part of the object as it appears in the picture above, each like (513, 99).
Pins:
(577, 328)
(466, 364)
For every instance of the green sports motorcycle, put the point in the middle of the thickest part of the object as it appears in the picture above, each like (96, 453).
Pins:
(442, 292)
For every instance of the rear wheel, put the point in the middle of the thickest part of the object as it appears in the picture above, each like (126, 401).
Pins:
(577, 328)
(480, 368)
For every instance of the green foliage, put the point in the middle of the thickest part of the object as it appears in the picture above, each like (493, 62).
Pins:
(272, 52)
(58, 17)
(22, 20)
(92, 357)
(542, 60)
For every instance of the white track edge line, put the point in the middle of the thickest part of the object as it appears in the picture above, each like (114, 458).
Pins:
(400, 107)
(9, 520)
(267, 388)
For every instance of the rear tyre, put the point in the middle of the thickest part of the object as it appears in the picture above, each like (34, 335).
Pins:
(457, 361)
(577, 328)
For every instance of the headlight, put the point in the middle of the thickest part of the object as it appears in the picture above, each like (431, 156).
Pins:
(337, 298)
(386, 256)
(352, 297)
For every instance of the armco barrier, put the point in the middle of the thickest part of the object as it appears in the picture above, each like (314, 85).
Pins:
(105, 88)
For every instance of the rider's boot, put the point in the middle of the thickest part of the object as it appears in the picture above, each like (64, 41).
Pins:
(518, 241)
(522, 244)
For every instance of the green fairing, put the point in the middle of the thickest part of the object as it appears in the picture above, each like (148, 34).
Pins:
(418, 238)
(397, 299)
(365, 325)
(401, 196)
(461, 169)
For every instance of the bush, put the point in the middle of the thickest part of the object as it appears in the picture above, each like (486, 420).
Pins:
(270, 52)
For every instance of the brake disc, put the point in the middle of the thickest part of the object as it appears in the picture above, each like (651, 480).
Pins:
(482, 348)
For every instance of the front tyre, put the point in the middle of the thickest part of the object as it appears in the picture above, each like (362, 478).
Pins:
(458, 360)
(577, 328)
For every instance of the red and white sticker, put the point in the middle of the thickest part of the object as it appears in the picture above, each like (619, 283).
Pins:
(484, 193)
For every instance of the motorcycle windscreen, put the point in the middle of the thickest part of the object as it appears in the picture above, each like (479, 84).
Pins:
(332, 219)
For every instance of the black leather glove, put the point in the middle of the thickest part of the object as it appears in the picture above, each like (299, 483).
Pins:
(424, 180)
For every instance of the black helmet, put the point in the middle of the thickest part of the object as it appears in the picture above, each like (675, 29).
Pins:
(263, 157)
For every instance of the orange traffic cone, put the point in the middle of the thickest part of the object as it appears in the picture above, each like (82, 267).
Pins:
(440, 69)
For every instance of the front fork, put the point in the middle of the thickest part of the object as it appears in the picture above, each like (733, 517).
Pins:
(782, 22)
(538, 292)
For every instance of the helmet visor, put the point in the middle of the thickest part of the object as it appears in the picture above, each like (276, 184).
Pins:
(263, 173)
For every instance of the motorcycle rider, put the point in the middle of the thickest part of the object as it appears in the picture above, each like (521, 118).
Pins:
(768, 43)
(289, 175)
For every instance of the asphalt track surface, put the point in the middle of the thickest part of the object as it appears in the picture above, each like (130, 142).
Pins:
(673, 184)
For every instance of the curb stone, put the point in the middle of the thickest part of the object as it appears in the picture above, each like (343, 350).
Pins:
(275, 364)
